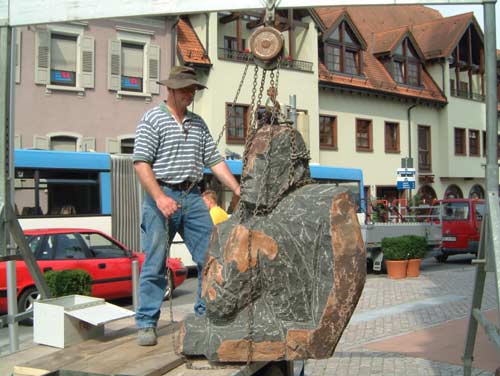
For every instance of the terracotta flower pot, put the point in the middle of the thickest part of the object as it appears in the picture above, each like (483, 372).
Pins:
(396, 269)
(413, 269)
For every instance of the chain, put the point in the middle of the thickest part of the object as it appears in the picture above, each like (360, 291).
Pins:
(183, 196)
(252, 101)
(169, 280)
(224, 126)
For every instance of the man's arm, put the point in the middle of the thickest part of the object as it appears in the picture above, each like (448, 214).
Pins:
(222, 172)
(148, 181)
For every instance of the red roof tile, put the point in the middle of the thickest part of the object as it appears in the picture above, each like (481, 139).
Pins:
(386, 41)
(383, 27)
(438, 38)
(189, 47)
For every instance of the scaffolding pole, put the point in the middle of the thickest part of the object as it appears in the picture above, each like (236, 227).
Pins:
(488, 259)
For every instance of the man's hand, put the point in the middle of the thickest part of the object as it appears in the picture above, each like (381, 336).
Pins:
(167, 205)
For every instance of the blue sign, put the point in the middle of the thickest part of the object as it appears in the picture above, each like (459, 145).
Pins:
(406, 184)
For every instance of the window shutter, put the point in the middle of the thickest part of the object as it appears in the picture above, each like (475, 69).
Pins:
(114, 64)
(153, 69)
(112, 145)
(87, 58)
(18, 55)
(18, 141)
(41, 142)
(88, 144)
(42, 58)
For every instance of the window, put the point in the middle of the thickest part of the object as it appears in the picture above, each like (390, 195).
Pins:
(476, 191)
(391, 137)
(474, 143)
(231, 47)
(56, 192)
(363, 135)
(453, 191)
(132, 67)
(484, 144)
(64, 58)
(133, 64)
(424, 148)
(65, 143)
(342, 52)
(459, 141)
(127, 146)
(406, 65)
(236, 122)
(328, 132)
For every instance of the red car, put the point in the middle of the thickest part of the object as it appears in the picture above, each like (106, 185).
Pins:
(108, 262)
(461, 220)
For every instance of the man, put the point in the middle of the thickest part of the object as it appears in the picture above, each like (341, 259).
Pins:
(216, 212)
(172, 147)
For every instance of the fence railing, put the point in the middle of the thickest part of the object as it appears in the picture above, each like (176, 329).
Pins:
(243, 56)
(467, 94)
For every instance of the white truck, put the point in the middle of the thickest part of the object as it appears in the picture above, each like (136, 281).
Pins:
(373, 233)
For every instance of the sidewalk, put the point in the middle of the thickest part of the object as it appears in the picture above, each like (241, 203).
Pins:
(409, 327)
(415, 326)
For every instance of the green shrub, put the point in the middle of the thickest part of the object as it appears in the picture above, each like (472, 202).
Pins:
(394, 248)
(68, 282)
(404, 247)
(417, 246)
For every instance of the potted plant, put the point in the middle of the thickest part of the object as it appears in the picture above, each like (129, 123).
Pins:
(417, 249)
(395, 256)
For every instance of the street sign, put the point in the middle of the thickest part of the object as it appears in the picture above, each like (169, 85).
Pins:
(406, 184)
(406, 178)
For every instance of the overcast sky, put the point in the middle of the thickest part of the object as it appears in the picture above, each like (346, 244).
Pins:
(451, 10)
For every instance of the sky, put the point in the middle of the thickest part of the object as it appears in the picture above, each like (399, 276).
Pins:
(451, 10)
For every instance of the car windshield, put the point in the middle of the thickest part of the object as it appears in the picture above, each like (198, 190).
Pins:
(455, 211)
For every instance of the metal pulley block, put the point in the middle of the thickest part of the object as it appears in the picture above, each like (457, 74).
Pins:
(266, 44)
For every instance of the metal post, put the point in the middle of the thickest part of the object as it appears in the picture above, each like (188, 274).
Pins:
(135, 284)
(293, 109)
(489, 245)
(409, 160)
(8, 221)
(5, 95)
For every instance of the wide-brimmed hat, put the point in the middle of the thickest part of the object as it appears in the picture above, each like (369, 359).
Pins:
(181, 77)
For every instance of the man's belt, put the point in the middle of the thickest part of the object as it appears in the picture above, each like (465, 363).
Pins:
(184, 186)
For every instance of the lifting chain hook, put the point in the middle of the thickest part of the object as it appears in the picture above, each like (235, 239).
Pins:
(270, 11)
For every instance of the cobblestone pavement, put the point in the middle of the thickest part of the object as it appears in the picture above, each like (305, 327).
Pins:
(390, 308)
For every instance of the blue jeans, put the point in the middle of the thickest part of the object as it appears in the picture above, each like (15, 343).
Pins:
(193, 223)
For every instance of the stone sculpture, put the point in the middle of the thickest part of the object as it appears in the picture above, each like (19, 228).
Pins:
(284, 274)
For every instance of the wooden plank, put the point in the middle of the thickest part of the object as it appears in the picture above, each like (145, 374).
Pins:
(130, 359)
(110, 354)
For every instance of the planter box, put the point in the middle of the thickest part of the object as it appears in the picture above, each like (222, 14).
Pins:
(71, 319)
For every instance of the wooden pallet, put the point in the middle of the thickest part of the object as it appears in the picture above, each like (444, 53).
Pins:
(116, 353)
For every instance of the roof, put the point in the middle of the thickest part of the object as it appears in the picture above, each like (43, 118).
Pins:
(439, 37)
(383, 28)
(189, 47)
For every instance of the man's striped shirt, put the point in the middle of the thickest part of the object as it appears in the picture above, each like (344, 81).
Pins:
(176, 152)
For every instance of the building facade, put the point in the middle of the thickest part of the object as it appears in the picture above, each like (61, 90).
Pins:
(368, 93)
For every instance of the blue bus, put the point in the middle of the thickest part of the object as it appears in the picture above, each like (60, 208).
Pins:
(56, 189)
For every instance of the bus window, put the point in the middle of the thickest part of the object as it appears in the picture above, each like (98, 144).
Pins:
(56, 192)
(352, 186)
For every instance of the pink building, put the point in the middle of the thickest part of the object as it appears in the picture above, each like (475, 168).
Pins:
(83, 86)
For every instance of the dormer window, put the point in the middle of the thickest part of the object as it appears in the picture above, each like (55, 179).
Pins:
(342, 51)
(406, 65)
